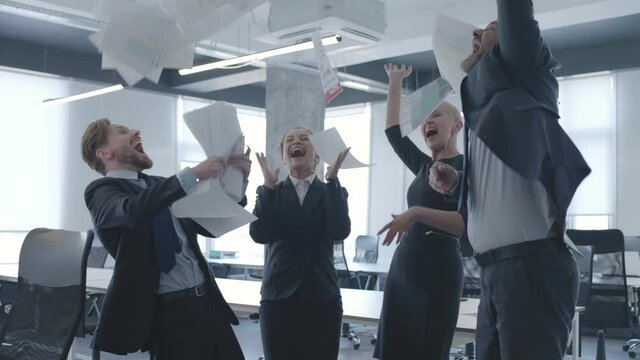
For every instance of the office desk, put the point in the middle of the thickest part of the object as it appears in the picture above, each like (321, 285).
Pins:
(359, 306)
(257, 263)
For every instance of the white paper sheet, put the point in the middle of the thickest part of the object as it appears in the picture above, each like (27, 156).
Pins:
(141, 40)
(328, 144)
(201, 19)
(328, 75)
(221, 226)
(208, 199)
(417, 106)
(452, 43)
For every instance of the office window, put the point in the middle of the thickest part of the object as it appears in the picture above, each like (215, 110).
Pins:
(253, 125)
(590, 222)
(587, 109)
(354, 125)
(31, 137)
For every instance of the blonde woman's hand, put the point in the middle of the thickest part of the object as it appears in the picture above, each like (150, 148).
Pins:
(332, 171)
(270, 177)
(398, 226)
(396, 72)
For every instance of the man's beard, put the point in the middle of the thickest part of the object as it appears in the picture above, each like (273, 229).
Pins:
(143, 163)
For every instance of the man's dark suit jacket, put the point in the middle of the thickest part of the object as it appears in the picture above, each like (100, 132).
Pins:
(510, 103)
(299, 239)
(122, 214)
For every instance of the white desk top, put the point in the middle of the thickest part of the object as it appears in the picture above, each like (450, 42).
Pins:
(258, 263)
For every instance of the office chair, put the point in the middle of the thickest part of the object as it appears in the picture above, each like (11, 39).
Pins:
(93, 301)
(633, 344)
(366, 252)
(8, 291)
(50, 301)
(471, 279)
(608, 299)
(348, 280)
(470, 289)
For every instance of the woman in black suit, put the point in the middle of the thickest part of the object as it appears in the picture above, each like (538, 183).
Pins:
(424, 285)
(299, 219)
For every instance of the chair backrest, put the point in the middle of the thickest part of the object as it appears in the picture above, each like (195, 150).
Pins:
(366, 249)
(339, 259)
(585, 268)
(97, 256)
(345, 278)
(608, 300)
(50, 300)
(471, 280)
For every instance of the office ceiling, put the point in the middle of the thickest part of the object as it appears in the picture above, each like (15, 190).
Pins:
(51, 36)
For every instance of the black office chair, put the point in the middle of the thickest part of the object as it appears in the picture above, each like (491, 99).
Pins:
(471, 280)
(366, 252)
(608, 299)
(346, 279)
(50, 301)
(8, 292)
(93, 301)
(470, 270)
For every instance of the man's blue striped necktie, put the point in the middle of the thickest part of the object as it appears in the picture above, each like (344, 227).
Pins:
(166, 240)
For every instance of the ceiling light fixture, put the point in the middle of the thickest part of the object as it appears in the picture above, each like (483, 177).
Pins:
(329, 40)
(85, 95)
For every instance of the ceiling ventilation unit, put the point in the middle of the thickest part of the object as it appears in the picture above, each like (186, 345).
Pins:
(359, 22)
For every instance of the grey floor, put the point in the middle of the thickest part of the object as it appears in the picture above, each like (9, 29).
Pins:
(248, 332)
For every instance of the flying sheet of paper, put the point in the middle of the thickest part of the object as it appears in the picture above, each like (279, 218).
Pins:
(328, 75)
(140, 41)
(451, 45)
(200, 19)
(143, 39)
(417, 106)
(328, 144)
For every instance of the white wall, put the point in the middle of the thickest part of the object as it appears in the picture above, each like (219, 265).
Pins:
(628, 160)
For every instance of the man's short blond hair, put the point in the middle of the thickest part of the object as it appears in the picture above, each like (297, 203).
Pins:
(95, 136)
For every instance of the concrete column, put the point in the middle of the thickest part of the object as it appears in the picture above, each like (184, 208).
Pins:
(293, 99)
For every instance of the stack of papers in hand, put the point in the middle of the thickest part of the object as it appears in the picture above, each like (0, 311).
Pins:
(214, 203)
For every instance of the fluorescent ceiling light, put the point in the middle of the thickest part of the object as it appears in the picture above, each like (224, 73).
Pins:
(88, 94)
(329, 40)
(355, 85)
(365, 87)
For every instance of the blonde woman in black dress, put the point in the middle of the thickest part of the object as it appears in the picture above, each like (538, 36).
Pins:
(424, 285)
